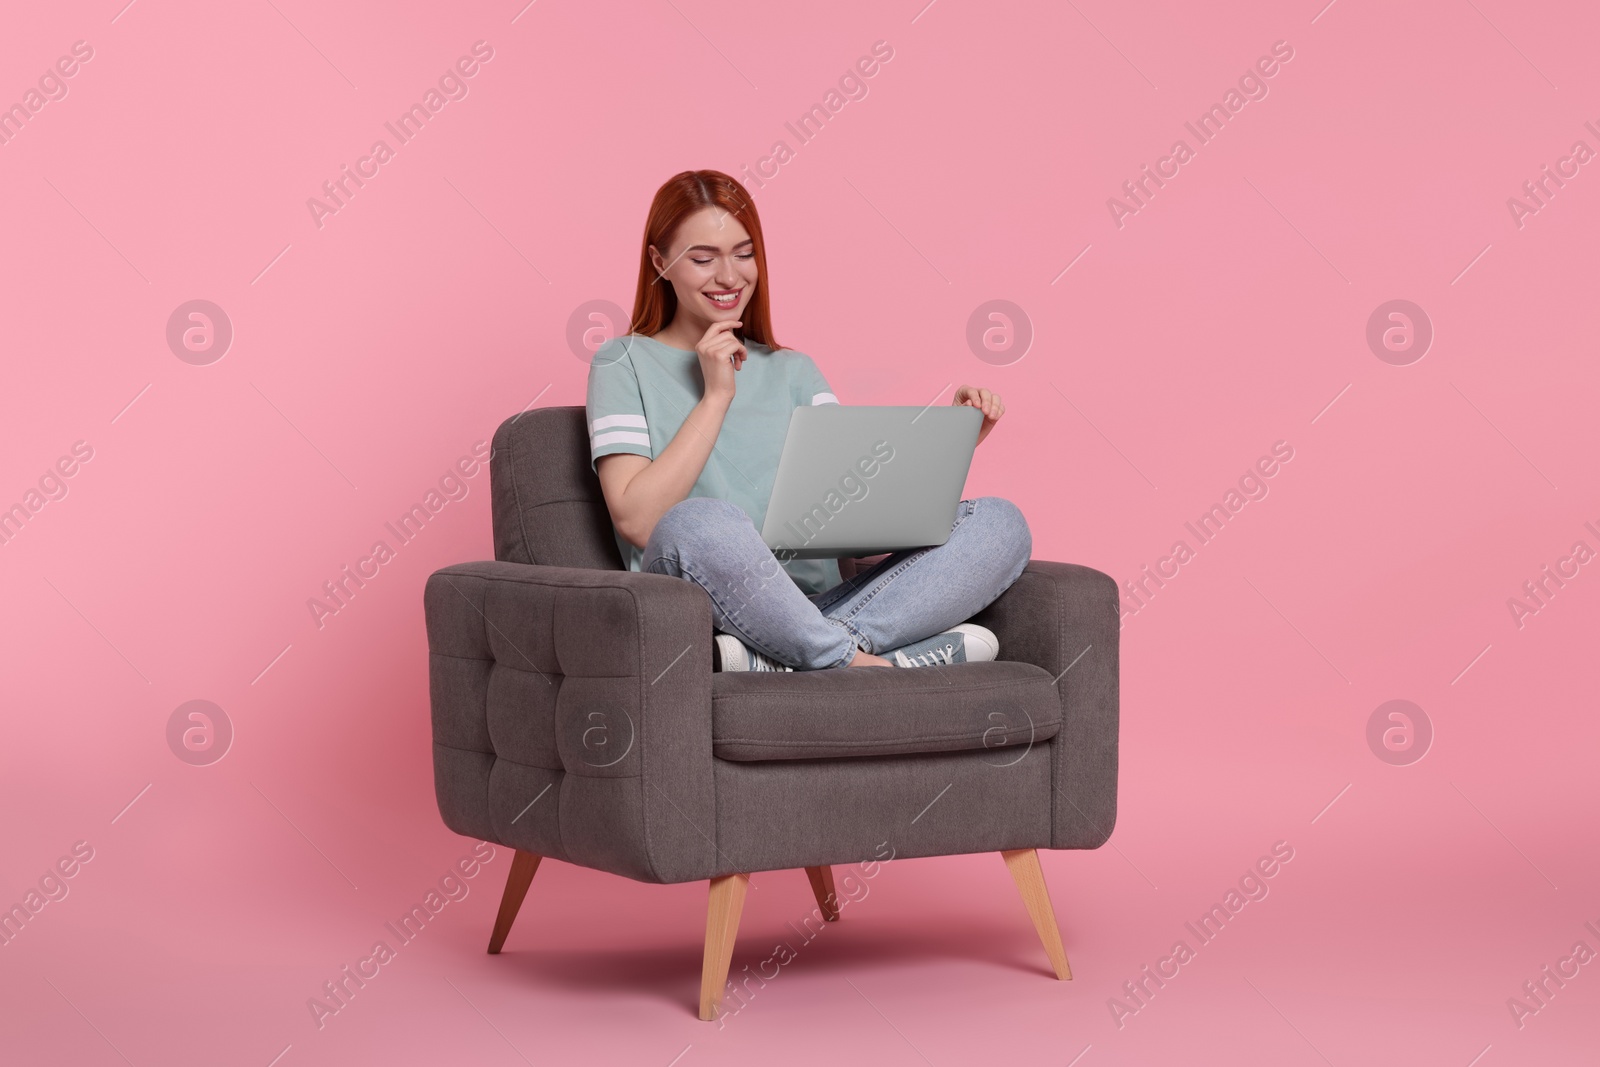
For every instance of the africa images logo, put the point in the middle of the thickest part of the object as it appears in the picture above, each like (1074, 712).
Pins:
(452, 85)
(1252, 85)
(808, 524)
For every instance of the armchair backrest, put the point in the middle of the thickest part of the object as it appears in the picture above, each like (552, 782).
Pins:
(547, 504)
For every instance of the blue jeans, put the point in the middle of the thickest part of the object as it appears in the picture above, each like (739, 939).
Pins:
(906, 597)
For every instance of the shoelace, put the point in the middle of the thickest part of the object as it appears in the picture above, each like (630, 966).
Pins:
(933, 657)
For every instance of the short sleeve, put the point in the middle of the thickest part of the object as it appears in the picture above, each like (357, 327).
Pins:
(814, 388)
(615, 405)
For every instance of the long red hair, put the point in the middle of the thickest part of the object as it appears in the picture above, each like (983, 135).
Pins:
(654, 302)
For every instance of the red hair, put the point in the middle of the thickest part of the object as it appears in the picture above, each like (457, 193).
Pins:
(655, 303)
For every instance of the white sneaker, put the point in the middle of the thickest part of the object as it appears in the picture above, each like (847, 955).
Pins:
(966, 643)
(733, 654)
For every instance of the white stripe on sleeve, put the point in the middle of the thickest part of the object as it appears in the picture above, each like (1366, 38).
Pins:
(621, 437)
(824, 398)
(608, 421)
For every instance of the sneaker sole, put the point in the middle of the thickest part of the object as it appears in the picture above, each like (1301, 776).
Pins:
(981, 646)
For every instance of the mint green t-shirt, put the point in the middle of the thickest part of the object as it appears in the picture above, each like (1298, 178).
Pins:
(640, 392)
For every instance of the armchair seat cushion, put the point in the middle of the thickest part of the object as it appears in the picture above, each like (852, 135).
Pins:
(878, 711)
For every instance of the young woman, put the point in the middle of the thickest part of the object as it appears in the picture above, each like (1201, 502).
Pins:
(687, 419)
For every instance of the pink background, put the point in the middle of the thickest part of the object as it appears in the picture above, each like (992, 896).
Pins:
(1226, 315)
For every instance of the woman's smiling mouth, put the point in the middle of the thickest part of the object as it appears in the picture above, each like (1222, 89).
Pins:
(725, 299)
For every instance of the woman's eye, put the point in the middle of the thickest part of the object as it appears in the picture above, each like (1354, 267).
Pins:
(701, 262)
(747, 255)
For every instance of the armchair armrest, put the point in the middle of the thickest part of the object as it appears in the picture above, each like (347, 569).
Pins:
(1064, 618)
(572, 714)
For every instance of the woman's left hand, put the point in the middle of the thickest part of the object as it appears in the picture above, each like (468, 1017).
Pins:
(985, 401)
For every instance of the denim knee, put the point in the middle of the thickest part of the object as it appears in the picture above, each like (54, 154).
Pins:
(694, 521)
(1006, 528)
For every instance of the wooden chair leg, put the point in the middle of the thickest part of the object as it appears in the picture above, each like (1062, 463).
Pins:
(722, 927)
(523, 865)
(1029, 876)
(822, 887)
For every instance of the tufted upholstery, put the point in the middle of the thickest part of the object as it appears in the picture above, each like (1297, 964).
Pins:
(541, 677)
(576, 716)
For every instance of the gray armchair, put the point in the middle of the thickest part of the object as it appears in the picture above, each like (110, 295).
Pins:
(576, 717)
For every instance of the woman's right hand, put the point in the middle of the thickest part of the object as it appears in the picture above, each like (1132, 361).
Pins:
(721, 355)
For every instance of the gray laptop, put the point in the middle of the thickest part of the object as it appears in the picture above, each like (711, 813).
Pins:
(857, 481)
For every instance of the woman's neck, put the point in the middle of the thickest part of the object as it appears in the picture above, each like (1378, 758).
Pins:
(682, 332)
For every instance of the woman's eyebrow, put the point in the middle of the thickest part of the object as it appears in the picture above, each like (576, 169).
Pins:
(714, 248)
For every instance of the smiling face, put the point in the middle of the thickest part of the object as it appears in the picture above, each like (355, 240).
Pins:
(711, 266)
